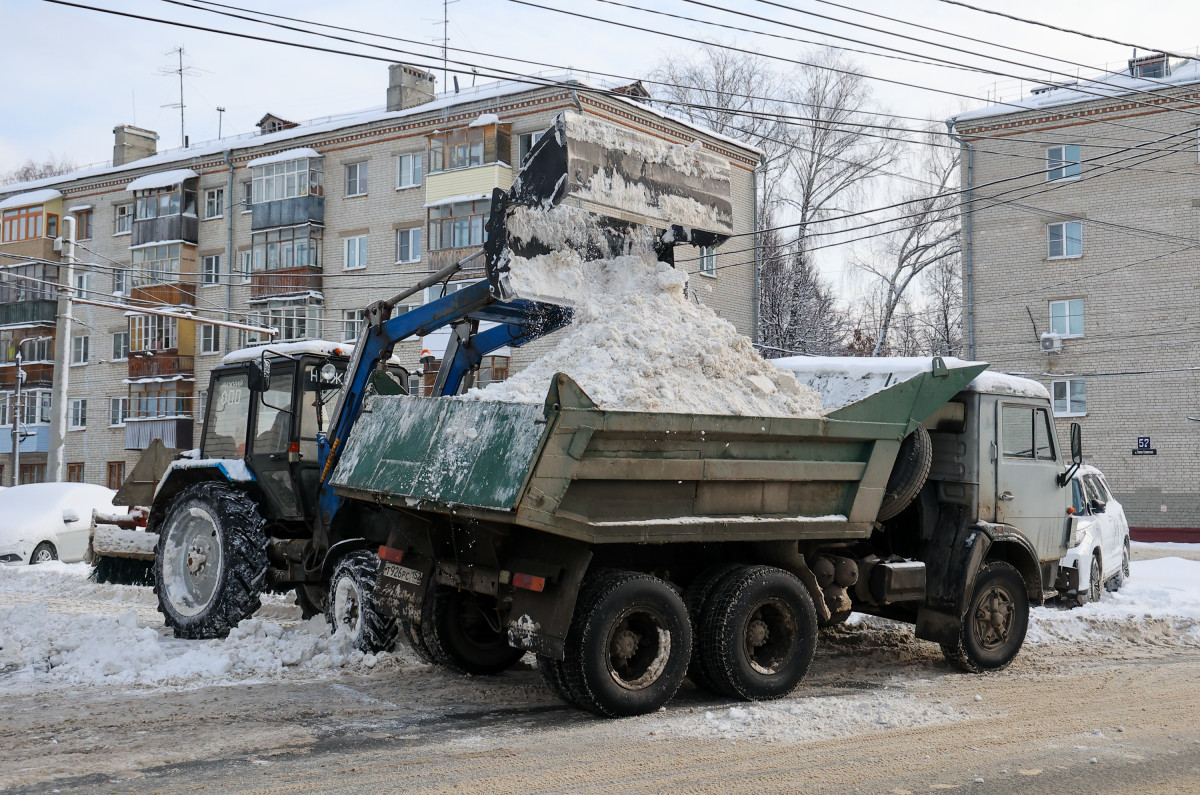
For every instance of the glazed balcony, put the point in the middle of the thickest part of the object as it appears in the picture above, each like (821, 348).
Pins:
(290, 281)
(167, 227)
(29, 312)
(38, 375)
(299, 210)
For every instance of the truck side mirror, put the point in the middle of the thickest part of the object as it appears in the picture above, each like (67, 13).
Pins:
(1076, 444)
(256, 377)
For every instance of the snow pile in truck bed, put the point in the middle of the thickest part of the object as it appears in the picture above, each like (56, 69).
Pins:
(637, 343)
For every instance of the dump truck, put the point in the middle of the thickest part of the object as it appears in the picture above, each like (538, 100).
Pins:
(629, 549)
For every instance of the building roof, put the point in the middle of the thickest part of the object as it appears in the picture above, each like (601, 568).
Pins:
(162, 179)
(1087, 89)
(31, 198)
(257, 141)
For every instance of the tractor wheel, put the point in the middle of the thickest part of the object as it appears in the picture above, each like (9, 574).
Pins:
(993, 627)
(629, 644)
(211, 563)
(462, 631)
(352, 604)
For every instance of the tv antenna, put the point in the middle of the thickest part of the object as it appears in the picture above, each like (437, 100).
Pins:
(182, 71)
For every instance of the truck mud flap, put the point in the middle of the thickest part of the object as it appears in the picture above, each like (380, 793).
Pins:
(952, 557)
(400, 590)
(538, 620)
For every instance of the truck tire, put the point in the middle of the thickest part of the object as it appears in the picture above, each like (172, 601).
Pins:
(697, 598)
(628, 646)
(411, 630)
(555, 678)
(993, 627)
(211, 563)
(908, 474)
(352, 604)
(760, 633)
(458, 635)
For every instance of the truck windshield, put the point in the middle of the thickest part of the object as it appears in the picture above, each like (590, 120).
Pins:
(225, 431)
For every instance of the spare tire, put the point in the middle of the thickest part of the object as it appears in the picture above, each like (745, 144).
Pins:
(908, 473)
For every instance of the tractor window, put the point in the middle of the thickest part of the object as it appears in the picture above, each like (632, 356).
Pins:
(314, 401)
(225, 430)
(274, 427)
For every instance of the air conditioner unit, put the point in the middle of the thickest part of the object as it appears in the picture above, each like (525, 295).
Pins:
(1051, 343)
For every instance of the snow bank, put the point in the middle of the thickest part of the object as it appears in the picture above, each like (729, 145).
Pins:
(1159, 605)
(637, 343)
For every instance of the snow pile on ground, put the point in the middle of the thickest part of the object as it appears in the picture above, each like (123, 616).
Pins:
(1159, 605)
(637, 343)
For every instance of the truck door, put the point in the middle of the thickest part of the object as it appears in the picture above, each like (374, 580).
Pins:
(273, 439)
(1028, 496)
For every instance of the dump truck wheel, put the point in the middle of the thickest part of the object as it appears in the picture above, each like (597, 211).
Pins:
(43, 553)
(554, 677)
(697, 598)
(211, 563)
(908, 474)
(459, 635)
(993, 628)
(628, 646)
(352, 603)
(760, 633)
(411, 630)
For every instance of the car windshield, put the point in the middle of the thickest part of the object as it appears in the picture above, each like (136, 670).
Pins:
(1077, 500)
(1093, 493)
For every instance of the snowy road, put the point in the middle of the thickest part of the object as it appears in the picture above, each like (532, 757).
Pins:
(94, 696)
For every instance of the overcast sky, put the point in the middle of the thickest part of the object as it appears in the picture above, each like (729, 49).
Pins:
(73, 74)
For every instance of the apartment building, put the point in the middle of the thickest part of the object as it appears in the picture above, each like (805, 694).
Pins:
(1081, 239)
(296, 227)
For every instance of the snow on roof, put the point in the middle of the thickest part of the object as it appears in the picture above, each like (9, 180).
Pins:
(254, 140)
(467, 197)
(1004, 384)
(287, 154)
(1112, 84)
(79, 208)
(485, 119)
(31, 198)
(314, 347)
(162, 179)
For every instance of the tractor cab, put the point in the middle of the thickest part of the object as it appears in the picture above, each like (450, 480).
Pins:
(266, 406)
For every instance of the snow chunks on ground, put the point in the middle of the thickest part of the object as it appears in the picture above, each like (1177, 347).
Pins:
(1159, 605)
(637, 343)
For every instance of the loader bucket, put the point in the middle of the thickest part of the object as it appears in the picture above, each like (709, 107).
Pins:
(603, 190)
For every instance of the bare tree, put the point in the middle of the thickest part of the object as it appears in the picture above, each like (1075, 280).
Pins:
(797, 310)
(926, 234)
(31, 170)
(942, 318)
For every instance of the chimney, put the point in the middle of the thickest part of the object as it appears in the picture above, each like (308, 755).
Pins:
(408, 86)
(132, 143)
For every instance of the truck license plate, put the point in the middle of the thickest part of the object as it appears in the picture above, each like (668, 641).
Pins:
(395, 571)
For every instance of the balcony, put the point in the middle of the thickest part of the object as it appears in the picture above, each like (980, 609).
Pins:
(175, 432)
(167, 227)
(289, 281)
(475, 182)
(174, 293)
(38, 440)
(28, 312)
(38, 375)
(160, 364)
(288, 212)
(446, 256)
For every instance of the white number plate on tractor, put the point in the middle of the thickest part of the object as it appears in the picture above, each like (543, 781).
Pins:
(395, 571)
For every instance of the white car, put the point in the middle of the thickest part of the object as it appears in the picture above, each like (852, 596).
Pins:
(41, 522)
(1099, 553)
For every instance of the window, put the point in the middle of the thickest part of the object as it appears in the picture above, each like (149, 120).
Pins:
(408, 245)
(356, 252)
(120, 346)
(22, 223)
(708, 261)
(247, 264)
(155, 264)
(161, 202)
(1062, 162)
(1026, 432)
(83, 225)
(17, 283)
(293, 247)
(457, 225)
(155, 400)
(75, 473)
(214, 203)
(124, 219)
(6, 398)
(211, 270)
(1070, 397)
(120, 281)
(77, 413)
(1066, 317)
(525, 142)
(296, 319)
(116, 474)
(37, 349)
(153, 333)
(247, 196)
(492, 369)
(356, 179)
(1065, 239)
(210, 339)
(118, 410)
(201, 404)
(352, 323)
(83, 284)
(468, 146)
(408, 171)
(33, 473)
(79, 349)
(287, 180)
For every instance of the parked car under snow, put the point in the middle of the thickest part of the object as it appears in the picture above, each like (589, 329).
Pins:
(1099, 553)
(40, 522)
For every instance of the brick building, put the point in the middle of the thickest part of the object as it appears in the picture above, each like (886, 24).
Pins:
(296, 227)
(1082, 276)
